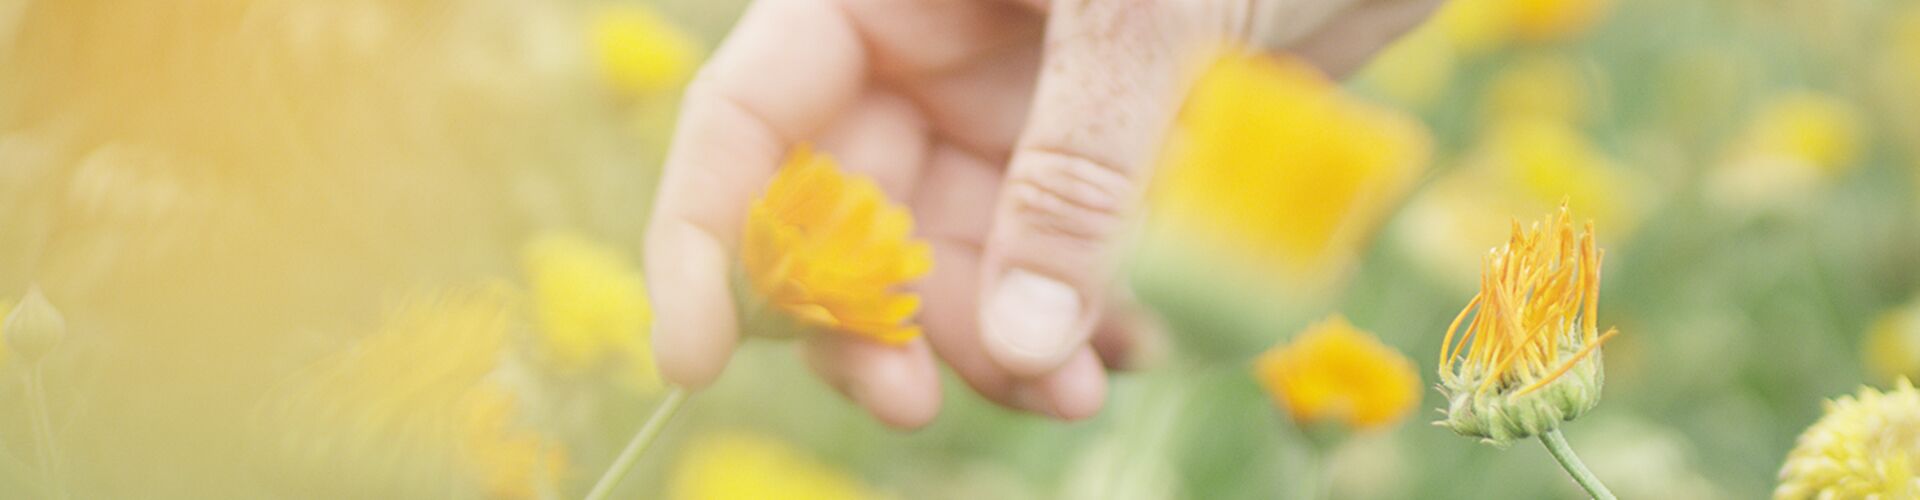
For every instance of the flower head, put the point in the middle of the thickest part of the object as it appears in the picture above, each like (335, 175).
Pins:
(829, 249)
(1865, 447)
(1529, 358)
(641, 52)
(1273, 164)
(1335, 372)
(742, 466)
(592, 308)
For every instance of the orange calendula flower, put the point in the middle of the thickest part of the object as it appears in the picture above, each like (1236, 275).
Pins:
(1529, 358)
(1335, 372)
(830, 250)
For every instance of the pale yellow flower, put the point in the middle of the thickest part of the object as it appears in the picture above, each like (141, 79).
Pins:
(1529, 359)
(1892, 347)
(1272, 164)
(1334, 372)
(591, 303)
(413, 410)
(831, 251)
(743, 466)
(641, 52)
(1865, 447)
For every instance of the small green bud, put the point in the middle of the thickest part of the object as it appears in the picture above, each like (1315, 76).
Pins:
(34, 327)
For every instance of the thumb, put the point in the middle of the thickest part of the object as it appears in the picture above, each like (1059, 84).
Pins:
(1110, 82)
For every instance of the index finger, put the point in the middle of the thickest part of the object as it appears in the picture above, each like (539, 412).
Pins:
(782, 74)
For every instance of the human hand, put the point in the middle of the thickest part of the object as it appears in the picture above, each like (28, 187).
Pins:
(1019, 134)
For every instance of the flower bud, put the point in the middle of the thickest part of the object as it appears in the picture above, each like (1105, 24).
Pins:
(1530, 358)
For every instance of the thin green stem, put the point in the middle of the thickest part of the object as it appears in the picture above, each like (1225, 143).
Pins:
(638, 445)
(1557, 446)
(42, 423)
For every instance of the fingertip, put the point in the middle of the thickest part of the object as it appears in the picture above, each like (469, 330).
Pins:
(1079, 389)
(903, 389)
(1031, 323)
(898, 385)
(694, 327)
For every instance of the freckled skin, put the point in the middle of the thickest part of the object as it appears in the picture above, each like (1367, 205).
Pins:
(1058, 105)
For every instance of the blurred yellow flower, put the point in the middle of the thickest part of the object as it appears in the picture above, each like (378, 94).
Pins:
(1892, 347)
(830, 250)
(1529, 358)
(743, 466)
(1865, 447)
(1333, 372)
(510, 460)
(592, 308)
(1796, 143)
(1275, 165)
(1807, 130)
(1554, 20)
(641, 52)
(411, 406)
(1476, 26)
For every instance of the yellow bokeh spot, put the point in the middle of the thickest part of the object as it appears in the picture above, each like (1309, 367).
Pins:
(1806, 129)
(1334, 372)
(641, 52)
(1892, 347)
(1275, 165)
(743, 466)
(591, 303)
(831, 251)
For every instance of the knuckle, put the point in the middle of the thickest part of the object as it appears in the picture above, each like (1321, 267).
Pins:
(1070, 196)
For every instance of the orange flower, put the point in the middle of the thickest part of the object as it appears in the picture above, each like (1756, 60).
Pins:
(1335, 372)
(830, 250)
